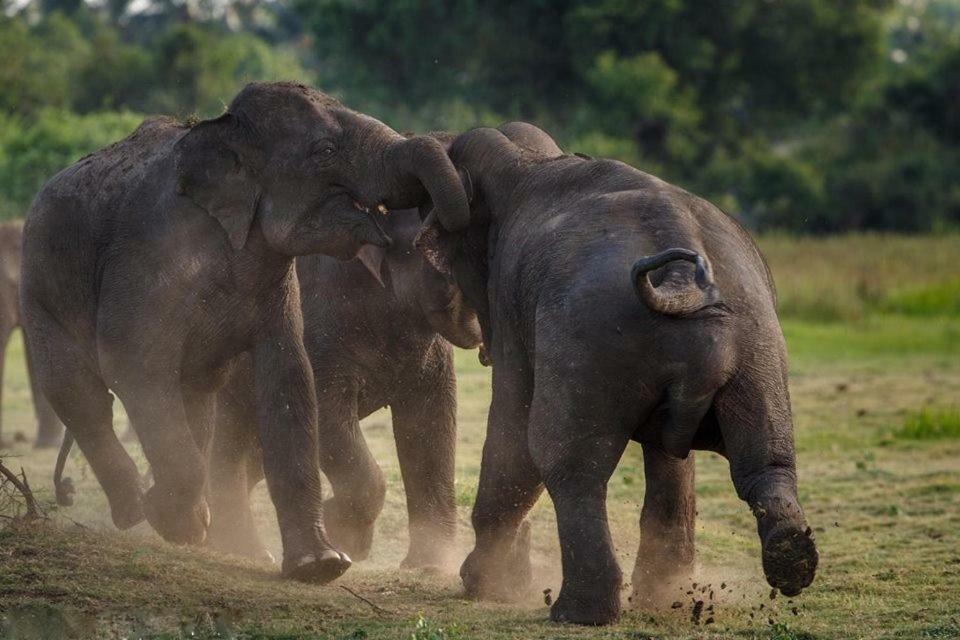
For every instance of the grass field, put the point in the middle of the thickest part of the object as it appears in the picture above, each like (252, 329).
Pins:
(873, 327)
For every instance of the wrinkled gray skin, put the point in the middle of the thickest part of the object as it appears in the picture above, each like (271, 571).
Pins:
(152, 264)
(49, 429)
(589, 354)
(371, 346)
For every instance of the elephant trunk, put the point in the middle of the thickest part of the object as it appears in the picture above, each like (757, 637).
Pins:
(421, 163)
(676, 295)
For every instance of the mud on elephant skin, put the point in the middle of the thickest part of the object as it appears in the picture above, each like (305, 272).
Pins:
(653, 319)
(49, 429)
(378, 333)
(153, 264)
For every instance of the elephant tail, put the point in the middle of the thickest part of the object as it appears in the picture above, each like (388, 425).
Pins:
(676, 295)
(63, 487)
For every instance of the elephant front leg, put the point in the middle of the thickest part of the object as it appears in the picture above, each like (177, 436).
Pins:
(287, 414)
(359, 487)
(425, 429)
(499, 568)
(665, 558)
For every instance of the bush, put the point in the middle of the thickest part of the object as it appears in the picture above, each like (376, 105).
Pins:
(33, 151)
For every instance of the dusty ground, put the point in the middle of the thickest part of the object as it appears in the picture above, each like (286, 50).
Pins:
(885, 508)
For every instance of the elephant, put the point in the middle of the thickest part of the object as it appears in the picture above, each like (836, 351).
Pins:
(615, 307)
(154, 263)
(49, 429)
(377, 331)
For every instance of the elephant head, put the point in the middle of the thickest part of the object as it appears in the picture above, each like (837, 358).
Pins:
(309, 173)
(424, 291)
(480, 156)
(461, 255)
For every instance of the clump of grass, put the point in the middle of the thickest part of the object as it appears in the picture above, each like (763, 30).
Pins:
(933, 300)
(423, 629)
(929, 424)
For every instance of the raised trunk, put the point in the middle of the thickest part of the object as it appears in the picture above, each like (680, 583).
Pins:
(418, 167)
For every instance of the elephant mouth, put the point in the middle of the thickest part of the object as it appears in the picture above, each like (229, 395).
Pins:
(361, 223)
(379, 207)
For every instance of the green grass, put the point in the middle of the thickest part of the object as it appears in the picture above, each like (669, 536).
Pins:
(870, 392)
(931, 425)
(849, 277)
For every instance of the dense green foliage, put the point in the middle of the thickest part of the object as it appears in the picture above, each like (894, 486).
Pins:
(806, 115)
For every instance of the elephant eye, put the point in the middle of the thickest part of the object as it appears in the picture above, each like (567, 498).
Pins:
(325, 150)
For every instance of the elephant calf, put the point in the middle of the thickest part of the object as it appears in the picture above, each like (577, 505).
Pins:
(376, 336)
(615, 307)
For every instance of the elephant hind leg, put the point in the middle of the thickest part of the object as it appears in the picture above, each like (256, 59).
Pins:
(49, 429)
(665, 558)
(576, 442)
(235, 468)
(68, 379)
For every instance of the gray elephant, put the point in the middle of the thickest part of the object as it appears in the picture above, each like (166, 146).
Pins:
(376, 332)
(151, 265)
(615, 307)
(49, 429)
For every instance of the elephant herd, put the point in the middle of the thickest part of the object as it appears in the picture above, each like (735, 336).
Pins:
(252, 286)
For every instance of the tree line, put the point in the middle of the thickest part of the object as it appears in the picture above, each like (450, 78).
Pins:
(811, 116)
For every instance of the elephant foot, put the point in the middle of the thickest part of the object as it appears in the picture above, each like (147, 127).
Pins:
(328, 566)
(656, 584)
(347, 531)
(594, 608)
(502, 574)
(126, 511)
(238, 543)
(175, 521)
(436, 556)
(790, 559)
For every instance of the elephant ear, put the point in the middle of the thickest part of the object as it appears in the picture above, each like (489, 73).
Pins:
(438, 245)
(211, 174)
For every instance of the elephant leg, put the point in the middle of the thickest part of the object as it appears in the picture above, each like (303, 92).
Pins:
(665, 558)
(74, 388)
(359, 487)
(200, 406)
(49, 428)
(234, 447)
(425, 429)
(4, 340)
(175, 505)
(754, 416)
(576, 447)
(499, 568)
(287, 414)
